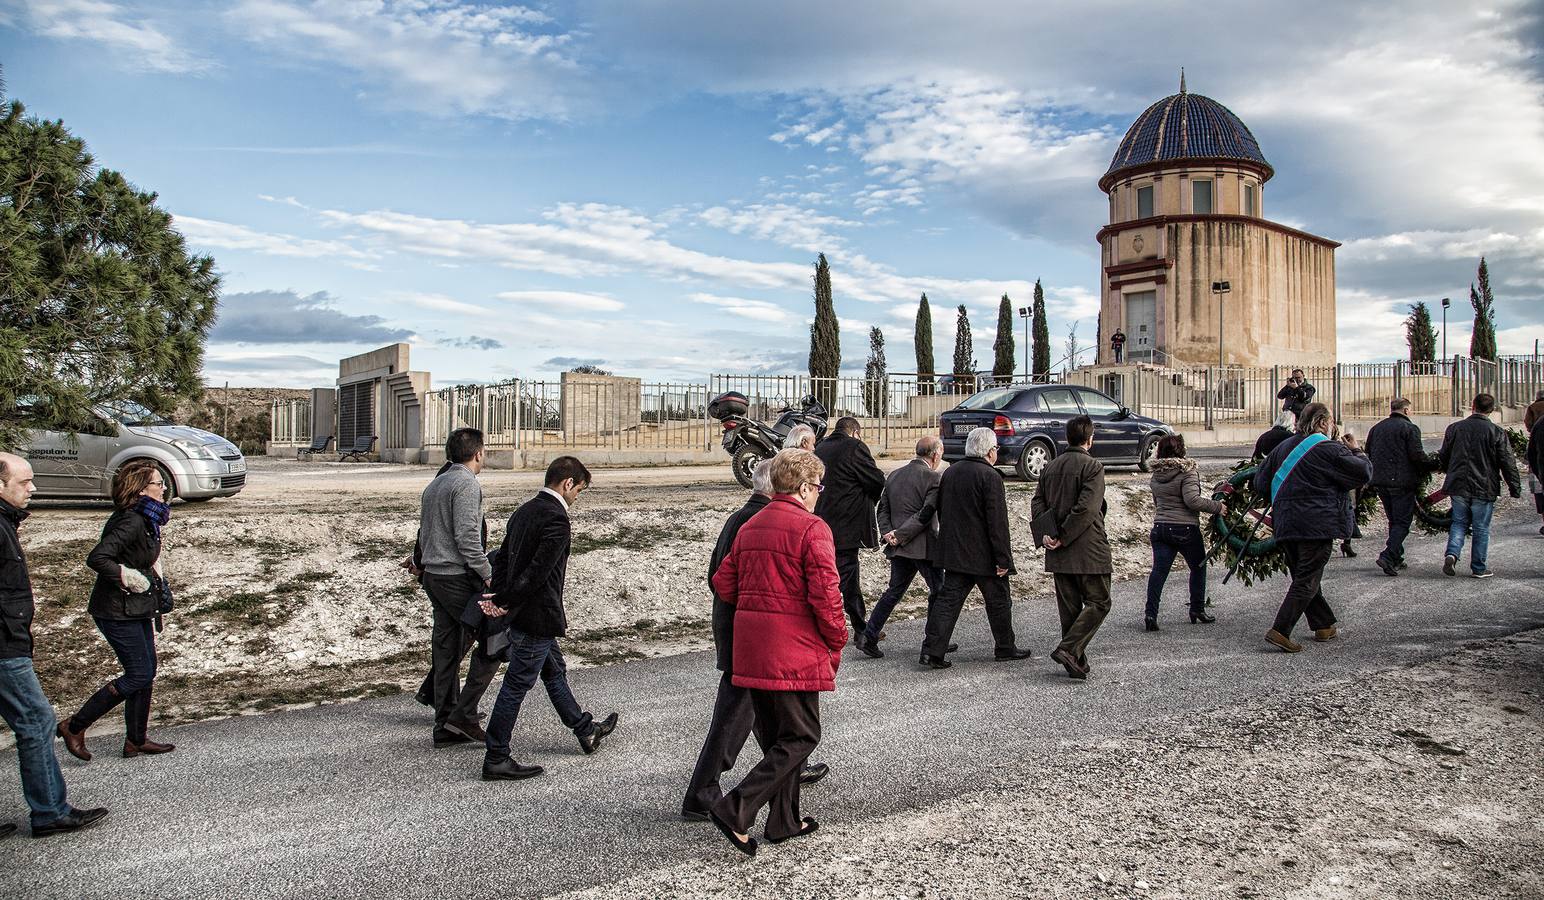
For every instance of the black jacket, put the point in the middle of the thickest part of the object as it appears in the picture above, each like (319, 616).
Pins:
(536, 547)
(1314, 503)
(972, 520)
(723, 613)
(1475, 455)
(1297, 398)
(1536, 449)
(853, 485)
(16, 607)
(128, 539)
(1397, 456)
(1270, 440)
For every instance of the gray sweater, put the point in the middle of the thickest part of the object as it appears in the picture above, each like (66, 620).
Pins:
(1177, 497)
(450, 525)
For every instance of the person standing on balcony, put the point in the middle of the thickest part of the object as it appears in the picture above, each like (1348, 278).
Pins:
(1118, 345)
(1476, 455)
(1398, 462)
(1296, 394)
(852, 487)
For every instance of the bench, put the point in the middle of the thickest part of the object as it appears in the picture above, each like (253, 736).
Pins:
(318, 445)
(362, 445)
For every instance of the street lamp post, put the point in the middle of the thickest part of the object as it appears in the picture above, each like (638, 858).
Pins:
(1446, 302)
(1219, 288)
(1024, 312)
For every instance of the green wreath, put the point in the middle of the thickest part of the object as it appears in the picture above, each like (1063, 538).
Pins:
(1239, 535)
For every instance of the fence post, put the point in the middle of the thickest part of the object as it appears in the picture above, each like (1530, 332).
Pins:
(1210, 423)
(1453, 386)
(1336, 386)
(1399, 369)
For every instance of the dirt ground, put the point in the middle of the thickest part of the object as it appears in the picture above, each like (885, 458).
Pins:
(290, 592)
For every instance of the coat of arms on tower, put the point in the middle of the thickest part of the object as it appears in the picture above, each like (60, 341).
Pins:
(1136, 244)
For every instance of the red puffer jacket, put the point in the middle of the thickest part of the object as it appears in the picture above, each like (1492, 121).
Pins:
(789, 628)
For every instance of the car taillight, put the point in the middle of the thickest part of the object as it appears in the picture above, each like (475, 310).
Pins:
(943, 429)
(1002, 426)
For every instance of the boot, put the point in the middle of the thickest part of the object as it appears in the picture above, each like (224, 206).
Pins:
(74, 741)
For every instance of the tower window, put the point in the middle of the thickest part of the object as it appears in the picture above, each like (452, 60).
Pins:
(1249, 207)
(1145, 202)
(1201, 197)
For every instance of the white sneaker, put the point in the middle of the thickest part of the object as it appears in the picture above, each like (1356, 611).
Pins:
(1485, 574)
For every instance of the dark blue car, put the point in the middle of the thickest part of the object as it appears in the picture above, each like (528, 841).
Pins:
(1031, 425)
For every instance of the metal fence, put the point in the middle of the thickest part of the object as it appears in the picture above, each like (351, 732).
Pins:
(614, 414)
(290, 422)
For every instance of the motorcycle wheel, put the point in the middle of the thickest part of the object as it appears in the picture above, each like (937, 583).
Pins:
(744, 462)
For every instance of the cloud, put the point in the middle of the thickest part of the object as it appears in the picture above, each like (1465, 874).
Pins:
(569, 362)
(285, 317)
(266, 369)
(788, 226)
(471, 343)
(504, 61)
(441, 303)
(109, 24)
(568, 301)
(759, 310)
(208, 233)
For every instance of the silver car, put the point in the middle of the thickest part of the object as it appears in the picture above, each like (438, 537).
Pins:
(195, 464)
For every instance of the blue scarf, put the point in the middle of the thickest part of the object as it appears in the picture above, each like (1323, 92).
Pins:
(155, 512)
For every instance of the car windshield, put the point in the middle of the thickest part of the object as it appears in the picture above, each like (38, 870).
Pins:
(126, 412)
(998, 398)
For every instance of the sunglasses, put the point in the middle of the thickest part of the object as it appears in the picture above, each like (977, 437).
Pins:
(819, 488)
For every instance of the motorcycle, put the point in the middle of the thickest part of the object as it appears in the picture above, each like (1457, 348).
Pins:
(748, 441)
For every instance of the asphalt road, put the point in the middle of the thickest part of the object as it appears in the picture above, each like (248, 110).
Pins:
(351, 801)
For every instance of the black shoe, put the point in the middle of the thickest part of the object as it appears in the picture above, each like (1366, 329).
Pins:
(693, 815)
(1402, 566)
(1200, 616)
(1347, 550)
(1151, 625)
(935, 662)
(870, 648)
(7, 830)
(444, 737)
(952, 648)
(1450, 565)
(1074, 668)
(74, 820)
(808, 826)
(589, 743)
(509, 770)
(423, 698)
(813, 772)
(1388, 568)
(1015, 653)
(471, 730)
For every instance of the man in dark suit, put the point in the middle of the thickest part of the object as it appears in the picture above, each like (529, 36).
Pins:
(908, 525)
(733, 713)
(531, 593)
(853, 485)
(973, 549)
(1398, 462)
(1071, 490)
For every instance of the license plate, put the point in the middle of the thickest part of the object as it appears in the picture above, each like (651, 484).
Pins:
(235, 467)
(966, 428)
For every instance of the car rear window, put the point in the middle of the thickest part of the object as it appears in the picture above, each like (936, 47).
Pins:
(999, 398)
(1059, 400)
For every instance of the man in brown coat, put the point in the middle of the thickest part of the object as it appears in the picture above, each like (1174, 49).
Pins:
(1534, 412)
(1071, 491)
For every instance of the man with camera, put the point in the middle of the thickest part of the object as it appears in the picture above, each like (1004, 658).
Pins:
(1296, 394)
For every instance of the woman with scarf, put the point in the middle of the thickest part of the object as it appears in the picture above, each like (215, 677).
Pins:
(126, 560)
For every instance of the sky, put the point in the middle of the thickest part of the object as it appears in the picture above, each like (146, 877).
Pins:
(645, 186)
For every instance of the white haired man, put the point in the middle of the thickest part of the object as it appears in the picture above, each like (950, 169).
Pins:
(800, 437)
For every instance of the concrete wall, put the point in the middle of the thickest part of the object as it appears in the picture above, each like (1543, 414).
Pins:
(598, 405)
(384, 361)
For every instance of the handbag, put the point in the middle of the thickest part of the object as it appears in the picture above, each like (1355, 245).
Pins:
(161, 590)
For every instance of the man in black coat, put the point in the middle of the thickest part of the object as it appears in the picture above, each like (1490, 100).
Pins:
(852, 487)
(973, 549)
(1476, 455)
(536, 546)
(1279, 431)
(1398, 463)
(1296, 394)
(1536, 465)
(733, 713)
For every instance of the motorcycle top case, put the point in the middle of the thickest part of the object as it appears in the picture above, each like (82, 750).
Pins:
(733, 403)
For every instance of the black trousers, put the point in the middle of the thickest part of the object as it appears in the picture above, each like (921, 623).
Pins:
(852, 591)
(733, 715)
(1399, 506)
(1305, 561)
(902, 572)
(449, 643)
(942, 616)
(788, 729)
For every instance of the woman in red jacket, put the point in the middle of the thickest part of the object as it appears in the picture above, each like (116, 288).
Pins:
(788, 639)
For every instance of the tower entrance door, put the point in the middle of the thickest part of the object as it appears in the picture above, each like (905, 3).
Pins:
(1141, 326)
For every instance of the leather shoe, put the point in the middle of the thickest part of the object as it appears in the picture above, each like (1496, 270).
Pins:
(471, 729)
(1070, 663)
(1388, 568)
(444, 737)
(952, 648)
(1325, 634)
(74, 820)
(148, 748)
(870, 648)
(1014, 653)
(509, 770)
(936, 662)
(589, 743)
(74, 741)
(693, 815)
(813, 772)
(1278, 639)
(1150, 625)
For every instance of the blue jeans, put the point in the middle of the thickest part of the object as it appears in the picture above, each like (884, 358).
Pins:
(134, 642)
(530, 658)
(1471, 514)
(1170, 540)
(29, 714)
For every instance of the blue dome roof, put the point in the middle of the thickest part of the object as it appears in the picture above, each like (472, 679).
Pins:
(1185, 126)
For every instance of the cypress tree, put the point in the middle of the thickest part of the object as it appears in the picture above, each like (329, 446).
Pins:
(1421, 336)
(1002, 347)
(875, 394)
(825, 340)
(1482, 342)
(922, 338)
(1041, 345)
(963, 352)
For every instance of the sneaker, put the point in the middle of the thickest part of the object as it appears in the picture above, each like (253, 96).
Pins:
(1450, 565)
(1485, 574)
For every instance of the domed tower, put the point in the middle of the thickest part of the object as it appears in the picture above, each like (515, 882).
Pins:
(1187, 216)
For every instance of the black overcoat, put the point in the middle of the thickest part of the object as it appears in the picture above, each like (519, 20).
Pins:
(536, 547)
(973, 533)
(853, 485)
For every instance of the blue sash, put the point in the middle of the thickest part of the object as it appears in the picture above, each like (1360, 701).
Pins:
(1293, 458)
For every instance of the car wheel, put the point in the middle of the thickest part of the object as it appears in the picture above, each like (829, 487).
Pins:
(1033, 460)
(196, 499)
(1148, 453)
(744, 463)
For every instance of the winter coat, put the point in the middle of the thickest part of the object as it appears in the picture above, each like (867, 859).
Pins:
(1177, 497)
(535, 551)
(1314, 503)
(1533, 415)
(973, 536)
(128, 540)
(1476, 455)
(909, 507)
(1397, 456)
(16, 606)
(1072, 486)
(1536, 449)
(1270, 440)
(853, 485)
(789, 627)
(1296, 397)
(723, 613)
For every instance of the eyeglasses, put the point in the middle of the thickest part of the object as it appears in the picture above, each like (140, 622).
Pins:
(156, 484)
(819, 488)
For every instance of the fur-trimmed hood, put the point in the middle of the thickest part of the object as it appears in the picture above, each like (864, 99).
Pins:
(1166, 470)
